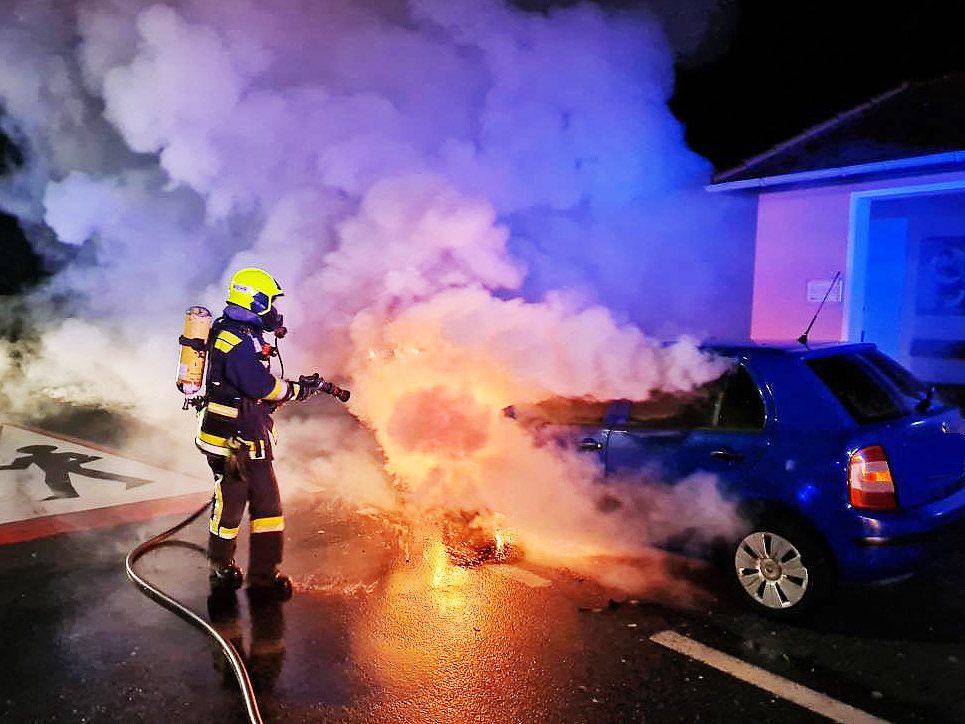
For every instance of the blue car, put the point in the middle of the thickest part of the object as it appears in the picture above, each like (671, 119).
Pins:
(843, 464)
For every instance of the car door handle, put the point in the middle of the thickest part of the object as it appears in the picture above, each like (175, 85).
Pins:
(589, 445)
(726, 454)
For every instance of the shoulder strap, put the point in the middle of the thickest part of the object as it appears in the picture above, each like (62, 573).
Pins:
(226, 334)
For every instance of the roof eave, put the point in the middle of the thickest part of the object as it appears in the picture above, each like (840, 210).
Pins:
(839, 172)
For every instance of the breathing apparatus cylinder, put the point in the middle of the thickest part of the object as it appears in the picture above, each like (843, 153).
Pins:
(194, 350)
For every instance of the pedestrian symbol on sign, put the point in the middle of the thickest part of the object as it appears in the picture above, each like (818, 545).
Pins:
(58, 467)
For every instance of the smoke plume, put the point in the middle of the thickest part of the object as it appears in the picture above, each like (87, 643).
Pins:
(469, 206)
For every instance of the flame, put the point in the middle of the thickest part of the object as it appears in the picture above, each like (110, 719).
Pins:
(435, 405)
(442, 572)
(435, 417)
(446, 581)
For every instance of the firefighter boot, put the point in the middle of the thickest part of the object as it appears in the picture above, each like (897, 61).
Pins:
(225, 577)
(264, 580)
(272, 586)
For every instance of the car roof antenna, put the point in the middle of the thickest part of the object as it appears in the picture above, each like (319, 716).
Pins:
(803, 339)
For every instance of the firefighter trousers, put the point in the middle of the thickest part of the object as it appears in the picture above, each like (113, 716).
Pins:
(241, 481)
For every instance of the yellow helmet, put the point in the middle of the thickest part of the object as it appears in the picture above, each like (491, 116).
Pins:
(254, 290)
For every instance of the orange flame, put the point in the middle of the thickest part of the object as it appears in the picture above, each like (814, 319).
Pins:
(442, 572)
(447, 582)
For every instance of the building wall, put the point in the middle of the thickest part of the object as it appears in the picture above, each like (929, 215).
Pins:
(803, 235)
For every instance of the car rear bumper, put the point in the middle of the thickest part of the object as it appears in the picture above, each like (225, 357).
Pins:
(891, 545)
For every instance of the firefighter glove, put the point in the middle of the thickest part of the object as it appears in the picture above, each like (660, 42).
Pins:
(307, 386)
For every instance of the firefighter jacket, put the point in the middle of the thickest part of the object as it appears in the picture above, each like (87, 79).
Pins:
(241, 391)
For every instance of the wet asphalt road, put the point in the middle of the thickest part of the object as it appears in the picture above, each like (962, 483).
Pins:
(370, 636)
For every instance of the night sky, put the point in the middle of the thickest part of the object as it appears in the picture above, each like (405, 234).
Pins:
(761, 72)
(775, 68)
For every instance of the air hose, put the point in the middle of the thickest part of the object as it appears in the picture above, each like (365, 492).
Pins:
(178, 608)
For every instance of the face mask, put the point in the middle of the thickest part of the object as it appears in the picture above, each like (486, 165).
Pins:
(271, 320)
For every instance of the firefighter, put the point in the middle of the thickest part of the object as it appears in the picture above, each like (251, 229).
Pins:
(235, 432)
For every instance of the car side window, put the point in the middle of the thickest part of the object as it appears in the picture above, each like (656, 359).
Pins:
(741, 406)
(675, 412)
(563, 411)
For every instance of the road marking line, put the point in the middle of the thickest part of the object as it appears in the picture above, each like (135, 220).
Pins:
(21, 531)
(519, 574)
(779, 686)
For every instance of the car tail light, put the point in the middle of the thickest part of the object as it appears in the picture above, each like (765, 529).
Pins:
(869, 480)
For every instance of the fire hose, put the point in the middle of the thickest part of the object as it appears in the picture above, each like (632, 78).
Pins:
(179, 609)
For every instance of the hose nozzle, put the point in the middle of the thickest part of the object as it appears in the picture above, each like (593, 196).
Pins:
(317, 384)
(335, 391)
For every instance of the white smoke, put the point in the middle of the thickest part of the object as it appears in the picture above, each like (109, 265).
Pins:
(467, 204)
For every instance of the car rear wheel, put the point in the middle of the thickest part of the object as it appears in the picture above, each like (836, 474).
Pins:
(781, 569)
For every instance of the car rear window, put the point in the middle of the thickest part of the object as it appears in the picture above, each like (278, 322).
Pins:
(864, 385)
(905, 381)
